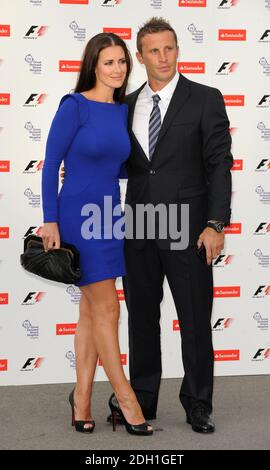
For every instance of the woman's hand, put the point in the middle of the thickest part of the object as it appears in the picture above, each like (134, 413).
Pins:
(50, 236)
(62, 174)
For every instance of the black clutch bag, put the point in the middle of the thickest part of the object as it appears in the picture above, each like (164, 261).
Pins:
(60, 265)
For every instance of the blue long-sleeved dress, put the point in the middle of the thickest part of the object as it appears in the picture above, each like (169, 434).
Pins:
(92, 139)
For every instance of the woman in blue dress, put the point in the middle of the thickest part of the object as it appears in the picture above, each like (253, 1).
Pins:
(89, 133)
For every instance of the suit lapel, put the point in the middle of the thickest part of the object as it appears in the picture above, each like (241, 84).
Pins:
(132, 99)
(180, 95)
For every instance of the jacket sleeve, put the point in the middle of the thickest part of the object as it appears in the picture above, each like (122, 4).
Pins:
(217, 156)
(62, 132)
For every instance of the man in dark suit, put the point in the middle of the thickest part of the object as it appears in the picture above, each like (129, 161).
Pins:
(180, 155)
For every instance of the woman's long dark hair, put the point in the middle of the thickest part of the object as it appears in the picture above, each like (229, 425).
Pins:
(87, 77)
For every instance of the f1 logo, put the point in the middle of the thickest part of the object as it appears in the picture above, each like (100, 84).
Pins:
(228, 3)
(33, 231)
(223, 323)
(35, 99)
(222, 260)
(265, 100)
(262, 291)
(33, 297)
(32, 363)
(263, 227)
(262, 354)
(34, 165)
(264, 164)
(35, 31)
(265, 34)
(227, 67)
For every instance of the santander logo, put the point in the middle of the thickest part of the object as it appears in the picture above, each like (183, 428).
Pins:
(192, 3)
(232, 34)
(227, 355)
(234, 228)
(227, 291)
(191, 67)
(234, 100)
(124, 33)
(69, 65)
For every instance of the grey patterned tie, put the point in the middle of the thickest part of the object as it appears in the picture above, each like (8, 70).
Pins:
(154, 125)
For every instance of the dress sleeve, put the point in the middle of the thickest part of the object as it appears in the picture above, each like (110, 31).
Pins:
(123, 174)
(63, 129)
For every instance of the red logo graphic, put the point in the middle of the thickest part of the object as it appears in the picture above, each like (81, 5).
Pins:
(176, 325)
(227, 355)
(237, 165)
(38, 362)
(123, 360)
(191, 67)
(4, 29)
(74, 2)
(4, 166)
(65, 328)
(234, 100)
(3, 298)
(3, 365)
(69, 65)
(124, 33)
(121, 295)
(227, 291)
(192, 3)
(4, 232)
(232, 34)
(235, 228)
(4, 98)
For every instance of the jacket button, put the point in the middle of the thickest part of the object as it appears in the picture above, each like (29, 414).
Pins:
(152, 172)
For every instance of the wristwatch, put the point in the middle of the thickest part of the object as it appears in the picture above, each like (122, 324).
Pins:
(216, 225)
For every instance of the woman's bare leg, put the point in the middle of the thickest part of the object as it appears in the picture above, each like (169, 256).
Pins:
(103, 300)
(86, 361)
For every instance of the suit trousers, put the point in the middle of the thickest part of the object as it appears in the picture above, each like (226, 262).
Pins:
(191, 283)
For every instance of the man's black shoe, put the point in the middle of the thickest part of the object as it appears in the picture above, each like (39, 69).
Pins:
(199, 419)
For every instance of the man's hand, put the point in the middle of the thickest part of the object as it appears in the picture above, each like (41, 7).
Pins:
(50, 236)
(213, 242)
(62, 174)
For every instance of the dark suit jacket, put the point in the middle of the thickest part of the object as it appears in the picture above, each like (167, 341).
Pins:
(192, 159)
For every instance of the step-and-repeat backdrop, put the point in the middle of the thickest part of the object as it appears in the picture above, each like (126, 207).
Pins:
(223, 43)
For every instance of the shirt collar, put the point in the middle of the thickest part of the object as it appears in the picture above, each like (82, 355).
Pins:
(166, 93)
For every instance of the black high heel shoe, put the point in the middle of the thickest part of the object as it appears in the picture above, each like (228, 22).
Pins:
(136, 429)
(80, 425)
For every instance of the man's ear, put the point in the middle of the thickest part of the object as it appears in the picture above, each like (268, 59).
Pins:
(139, 57)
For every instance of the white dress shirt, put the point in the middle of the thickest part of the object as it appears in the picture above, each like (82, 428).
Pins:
(144, 106)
